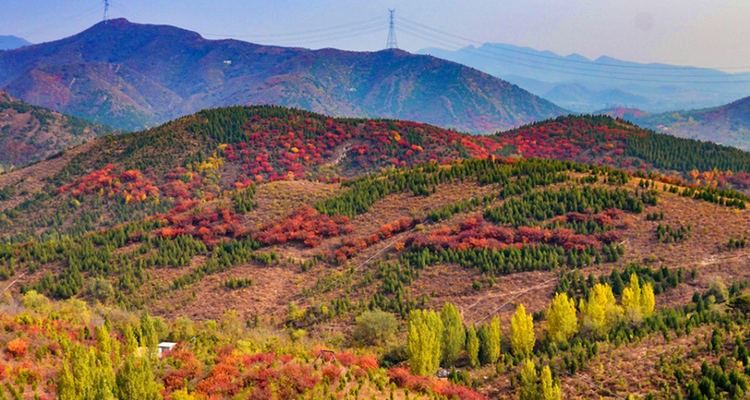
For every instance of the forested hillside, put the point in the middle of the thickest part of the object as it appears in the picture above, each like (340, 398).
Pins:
(29, 133)
(258, 237)
(728, 124)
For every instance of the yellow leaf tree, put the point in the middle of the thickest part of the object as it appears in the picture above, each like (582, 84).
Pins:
(550, 389)
(562, 322)
(647, 300)
(423, 341)
(601, 310)
(638, 301)
(522, 332)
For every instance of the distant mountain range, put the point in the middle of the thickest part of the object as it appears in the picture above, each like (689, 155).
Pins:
(728, 124)
(12, 42)
(30, 133)
(133, 76)
(584, 85)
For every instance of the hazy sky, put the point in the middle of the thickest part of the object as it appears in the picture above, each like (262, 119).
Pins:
(708, 33)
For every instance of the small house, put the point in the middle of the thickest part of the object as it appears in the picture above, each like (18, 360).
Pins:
(166, 346)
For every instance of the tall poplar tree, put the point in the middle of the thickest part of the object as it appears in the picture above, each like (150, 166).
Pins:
(423, 341)
(472, 346)
(522, 337)
(550, 389)
(454, 334)
(562, 322)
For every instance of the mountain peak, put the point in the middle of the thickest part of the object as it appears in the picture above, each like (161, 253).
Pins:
(119, 26)
(155, 73)
(12, 42)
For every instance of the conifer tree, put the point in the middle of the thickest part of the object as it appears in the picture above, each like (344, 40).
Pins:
(106, 378)
(522, 332)
(483, 333)
(562, 322)
(550, 389)
(528, 390)
(454, 334)
(136, 381)
(472, 346)
(425, 332)
(84, 377)
(131, 345)
(149, 340)
(66, 388)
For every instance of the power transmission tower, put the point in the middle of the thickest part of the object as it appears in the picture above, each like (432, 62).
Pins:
(106, 11)
(392, 44)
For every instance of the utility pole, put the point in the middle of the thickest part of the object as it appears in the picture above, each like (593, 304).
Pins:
(392, 44)
(106, 11)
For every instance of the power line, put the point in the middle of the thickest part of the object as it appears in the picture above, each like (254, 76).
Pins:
(391, 43)
(357, 24)
(404, 19)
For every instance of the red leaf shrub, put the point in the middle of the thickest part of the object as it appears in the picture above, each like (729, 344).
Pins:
(266, 359)
(367, 362)
(332, 372)
(453, 391)
(304, 225)
(18, 347)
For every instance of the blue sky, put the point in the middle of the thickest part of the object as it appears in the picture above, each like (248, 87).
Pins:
(710, 33)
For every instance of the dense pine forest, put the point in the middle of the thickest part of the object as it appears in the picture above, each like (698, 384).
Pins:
(292, 255)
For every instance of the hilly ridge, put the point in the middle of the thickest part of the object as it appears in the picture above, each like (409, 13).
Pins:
(30, 133)
(728, 124)
(213, 151)
(586, 85)
(133, 76)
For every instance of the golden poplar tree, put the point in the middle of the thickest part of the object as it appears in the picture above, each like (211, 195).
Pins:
(562, 322)
(454, 334)
(600, 311)
(550, 389)
(647, 300)
(423, 341)
(522, 332)
(638, 301)
(472, 346)
(527, 390)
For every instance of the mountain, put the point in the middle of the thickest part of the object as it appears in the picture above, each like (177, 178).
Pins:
(30, 133)
(205, 154)
(629, 114)
(132, 76)
(728, 124)
(290, 255)
(583, 85)
(12, 42)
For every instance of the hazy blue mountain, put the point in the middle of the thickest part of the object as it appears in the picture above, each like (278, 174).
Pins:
(580, 84)
(12, 42)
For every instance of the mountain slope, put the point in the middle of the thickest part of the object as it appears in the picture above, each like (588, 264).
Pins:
(12, 42)
(208, 153)
(204, 223)
(728, 125)
(30, 133)
(583, 85)
(133, 76)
